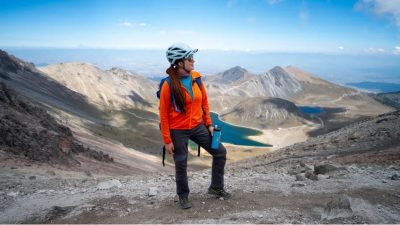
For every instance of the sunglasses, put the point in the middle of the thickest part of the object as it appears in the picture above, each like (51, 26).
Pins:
(190, 58)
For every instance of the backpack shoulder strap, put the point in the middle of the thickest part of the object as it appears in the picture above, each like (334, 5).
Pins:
(167, 79)
(198, 81)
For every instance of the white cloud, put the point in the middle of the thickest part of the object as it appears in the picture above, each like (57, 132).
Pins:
(273, 2)
(340, 48)
(375, 50)
(131, 25)
(390, 8)
(126, 24)
(396, 50)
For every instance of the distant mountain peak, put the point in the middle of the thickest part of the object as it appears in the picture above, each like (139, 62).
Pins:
(237, 68)
(278, 70)
(233, 74)
(280, 83)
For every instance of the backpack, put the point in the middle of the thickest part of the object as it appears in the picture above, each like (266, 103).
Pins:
(168, 80)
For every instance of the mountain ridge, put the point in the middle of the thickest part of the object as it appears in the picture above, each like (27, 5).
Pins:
(274, 83)
(116, 87)
(30, 132)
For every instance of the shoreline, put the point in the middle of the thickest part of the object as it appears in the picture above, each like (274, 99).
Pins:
(235, 125)
(282, 137)
(245, 136)
(277, 138)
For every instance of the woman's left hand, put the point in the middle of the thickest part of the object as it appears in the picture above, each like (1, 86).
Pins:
(211, 129)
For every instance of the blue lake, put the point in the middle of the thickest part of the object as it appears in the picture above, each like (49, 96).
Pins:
(235, 134)
(314, 110)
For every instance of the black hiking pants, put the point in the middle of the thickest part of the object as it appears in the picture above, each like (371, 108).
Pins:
(201, 136)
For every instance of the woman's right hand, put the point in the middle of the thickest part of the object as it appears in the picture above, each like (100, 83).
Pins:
(169, 147)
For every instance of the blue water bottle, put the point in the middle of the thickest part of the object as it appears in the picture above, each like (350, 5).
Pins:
(216, 138)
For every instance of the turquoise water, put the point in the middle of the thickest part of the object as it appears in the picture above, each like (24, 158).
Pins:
(236, 135)
(310, 109)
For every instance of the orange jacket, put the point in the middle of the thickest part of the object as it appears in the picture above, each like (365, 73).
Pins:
(194, 109)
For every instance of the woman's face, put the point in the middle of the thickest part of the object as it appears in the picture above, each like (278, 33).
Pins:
(189, 63)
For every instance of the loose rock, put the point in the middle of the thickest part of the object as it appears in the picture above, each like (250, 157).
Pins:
(310, 175)
(13, 193)
(298, 185)
(325, 168)
(152, 191)
(109, 184)
(300, 177)
(395, 177)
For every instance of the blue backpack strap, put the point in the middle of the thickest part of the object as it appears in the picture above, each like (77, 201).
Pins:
(168, 80)
(198, 81)
(160, 86)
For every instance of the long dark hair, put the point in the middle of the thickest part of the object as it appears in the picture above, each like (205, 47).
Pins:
(176, 88)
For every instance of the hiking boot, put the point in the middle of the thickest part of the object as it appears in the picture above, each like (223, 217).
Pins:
(219, 192)
(184, 202)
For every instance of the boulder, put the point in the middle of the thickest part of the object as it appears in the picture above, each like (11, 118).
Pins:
(395, 177)
(338, 208)
(325, 168)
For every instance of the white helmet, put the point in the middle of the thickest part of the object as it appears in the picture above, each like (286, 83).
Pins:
(179, 51)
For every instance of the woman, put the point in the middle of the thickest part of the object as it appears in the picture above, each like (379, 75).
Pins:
(184, 115)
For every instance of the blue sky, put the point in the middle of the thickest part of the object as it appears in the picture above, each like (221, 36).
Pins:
(308, 26)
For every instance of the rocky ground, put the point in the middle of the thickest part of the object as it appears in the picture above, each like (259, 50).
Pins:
(273, 193)
(351, 175)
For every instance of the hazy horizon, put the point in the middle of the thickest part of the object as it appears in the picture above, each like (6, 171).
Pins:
(337, 68)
